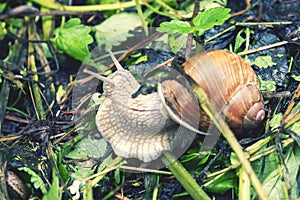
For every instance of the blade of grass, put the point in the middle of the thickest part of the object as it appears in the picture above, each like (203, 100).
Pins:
(4, 93)
(244, 185)
(183, 176)
(87, 8)
(37, 99)
(13, 57)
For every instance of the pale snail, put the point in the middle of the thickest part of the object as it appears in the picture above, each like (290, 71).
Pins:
(145, 126)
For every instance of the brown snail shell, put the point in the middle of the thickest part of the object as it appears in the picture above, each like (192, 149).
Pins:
(231, 86)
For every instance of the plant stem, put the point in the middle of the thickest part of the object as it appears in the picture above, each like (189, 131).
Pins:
(184, 177)
(140, 13)
(37, 99)
(162, 13)
(88, 8)
(4, 93)
(244, 185)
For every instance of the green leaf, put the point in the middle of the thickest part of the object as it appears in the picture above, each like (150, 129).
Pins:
(88, 147)
(239, 40)
(175, 26)
(62, 167)
(54, 192)
(275, 122)
(2, 6)
(73, 38)
(268, 85)
(3, 30)
(272, 183)
(115, 30)
(117, 176)
(296, 128)
(202, 22)
(35, 179)
(223, 183)
(60, 94)
(212, 17)
(297, 78)
(263, 61)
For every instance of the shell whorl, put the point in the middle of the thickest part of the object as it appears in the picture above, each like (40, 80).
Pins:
(231, 86)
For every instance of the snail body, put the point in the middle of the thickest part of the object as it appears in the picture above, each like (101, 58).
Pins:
(136, 127)
(148, 124)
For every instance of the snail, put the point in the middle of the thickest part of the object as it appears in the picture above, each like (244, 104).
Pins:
(145, 126)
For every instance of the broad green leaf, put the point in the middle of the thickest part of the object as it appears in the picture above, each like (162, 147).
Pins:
(55, 192)
(202, 22)
(73, 38)
(297, 78)
(35, 179)
(272, 183)
(263, 61)
(296, 128)
(88, 148)
(271, 180)
(175, 26)
(2, 6)
(115, 30)
(268, 85)
(223, 183)
(275, 122)
(211, 17)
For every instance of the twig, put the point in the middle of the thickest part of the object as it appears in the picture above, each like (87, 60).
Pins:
(292, 103)
(248, 6)
(266, 47)
(189, 41)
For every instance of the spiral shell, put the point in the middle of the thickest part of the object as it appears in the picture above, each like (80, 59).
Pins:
(231, 86)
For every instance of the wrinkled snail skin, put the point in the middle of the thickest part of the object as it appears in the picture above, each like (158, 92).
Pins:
(130, 125)
(231, 86)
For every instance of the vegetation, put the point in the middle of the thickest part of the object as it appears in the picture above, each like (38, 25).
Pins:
(50, 147)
